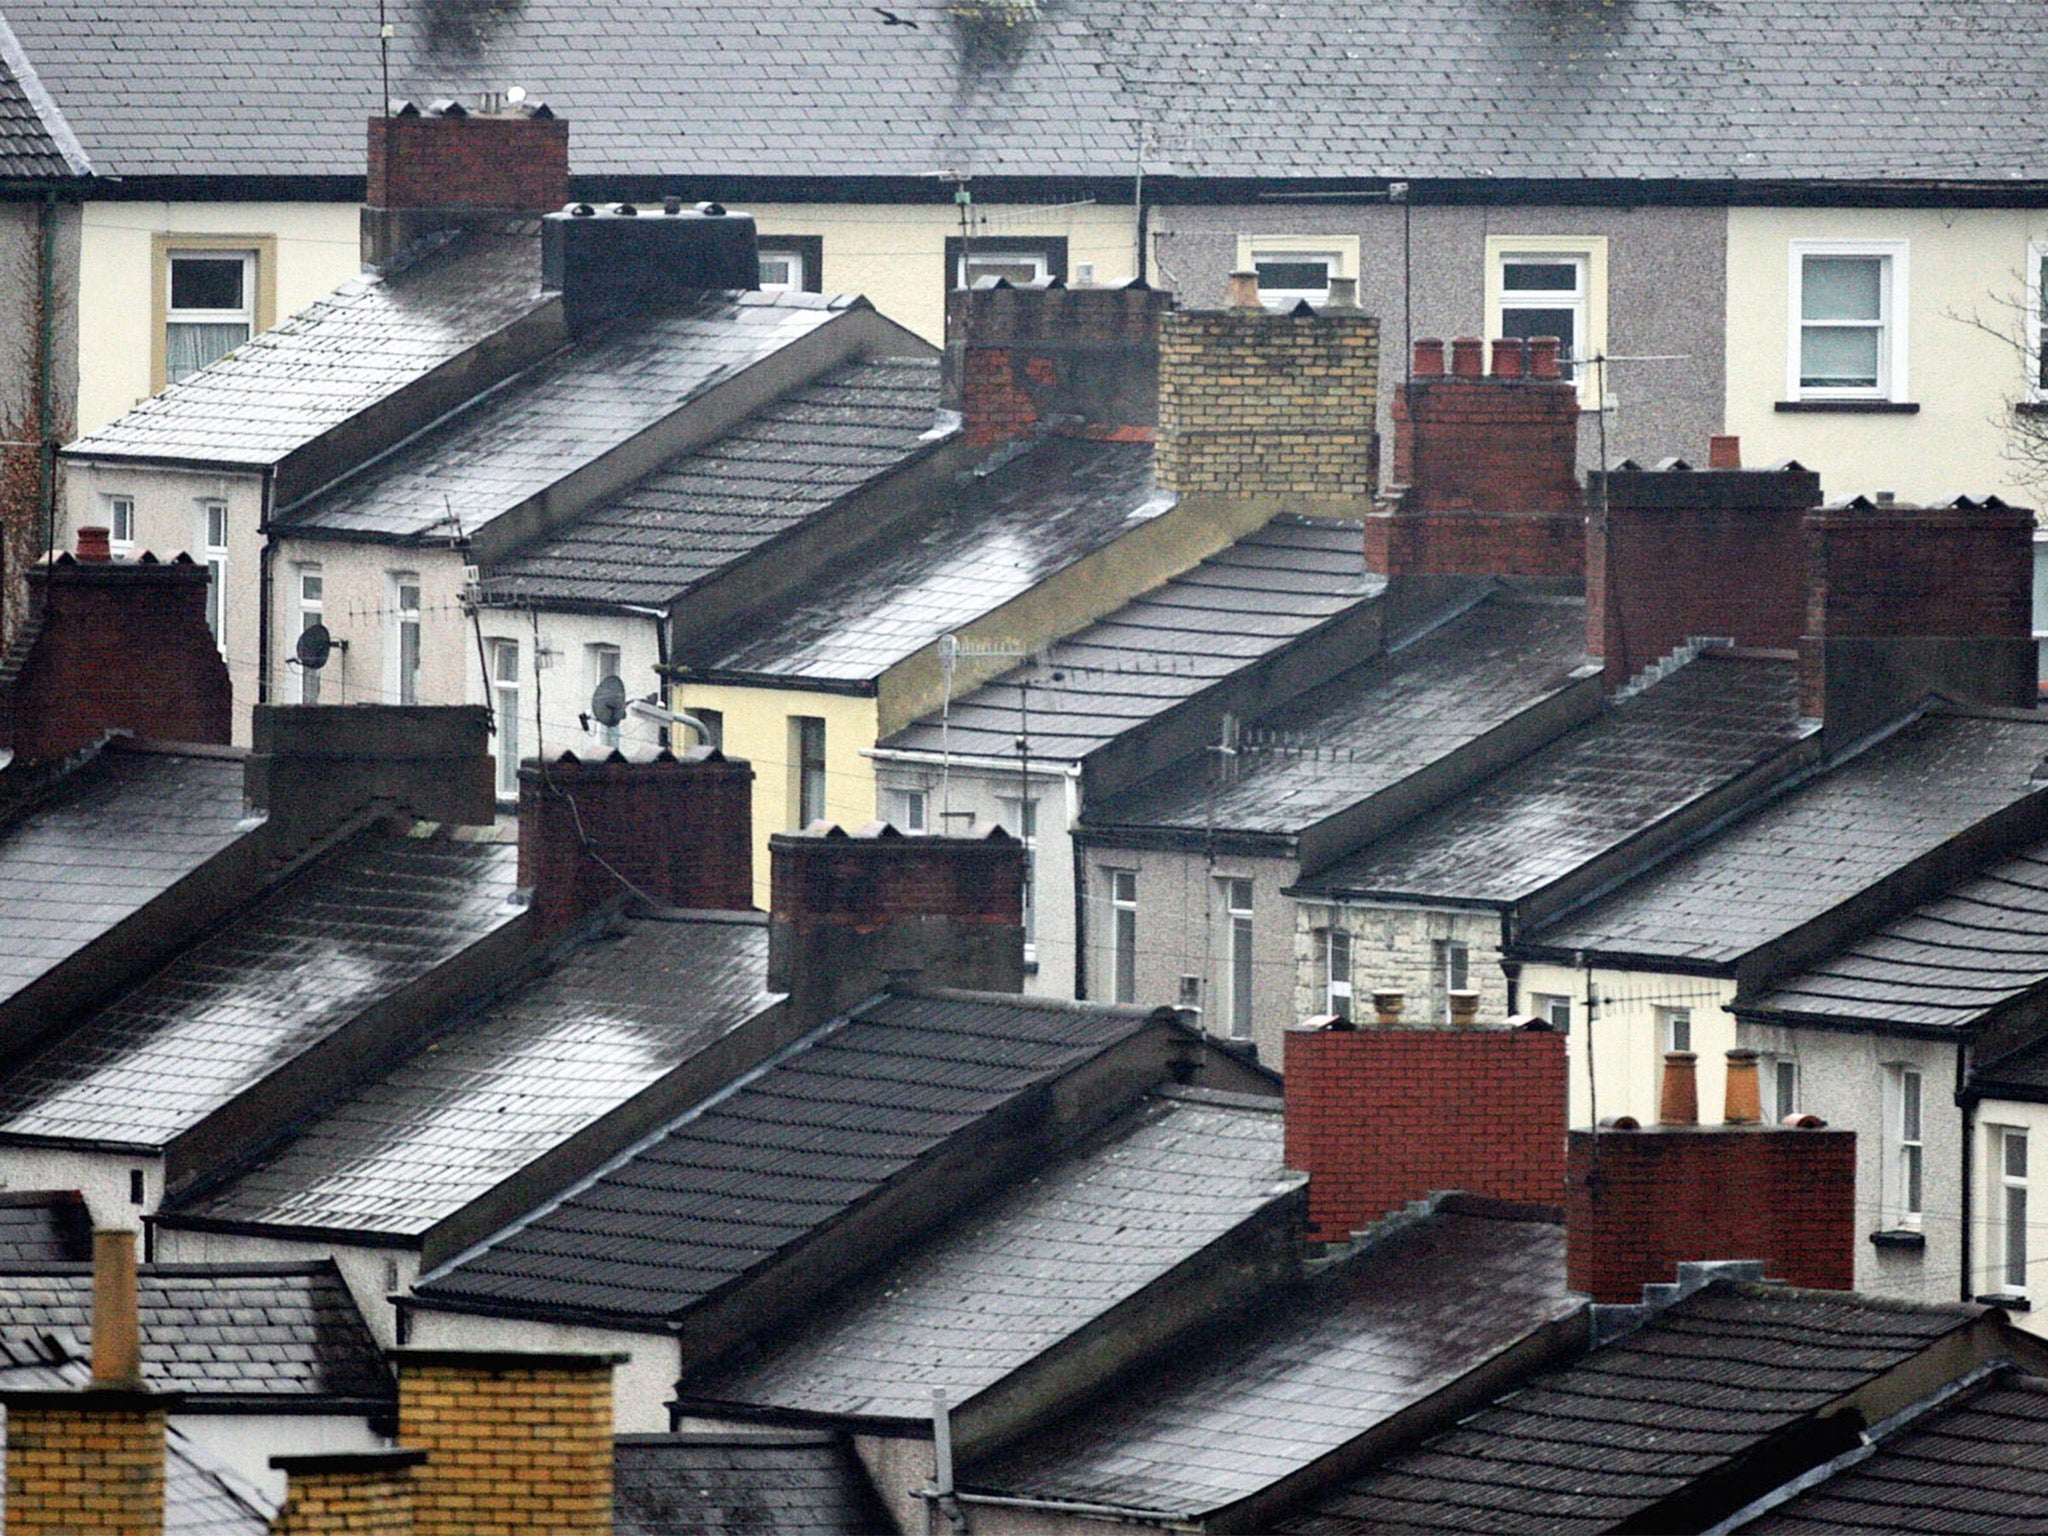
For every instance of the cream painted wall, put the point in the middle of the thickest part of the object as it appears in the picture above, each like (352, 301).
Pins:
(1623, 1075)
(1961, 264)
(757, 728)
(318, 247)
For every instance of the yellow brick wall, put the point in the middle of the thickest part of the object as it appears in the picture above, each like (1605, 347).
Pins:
(367, 1503)
(512, 1449)
(90, 1468)
(1253, 403)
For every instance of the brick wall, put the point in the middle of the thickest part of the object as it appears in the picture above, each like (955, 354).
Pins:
(1483, 469)
(1640, 1202)
(366, 1494)
(679, 829)
(1253, 403)
(513, 163)
(517, 1445)
(1678, 553)
(85, 1462)
(1020, 358)
(113, 645)
(1379, 1117)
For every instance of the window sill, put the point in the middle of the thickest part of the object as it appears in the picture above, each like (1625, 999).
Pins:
(2005, 1302)
(1899, 1237)
(1850, 407)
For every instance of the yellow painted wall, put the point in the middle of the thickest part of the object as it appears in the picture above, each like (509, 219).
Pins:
(317, 247)
(757, 729)
(1624, 1072)
(1961, 265)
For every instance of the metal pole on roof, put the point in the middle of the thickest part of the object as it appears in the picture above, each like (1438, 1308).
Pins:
(384, 53)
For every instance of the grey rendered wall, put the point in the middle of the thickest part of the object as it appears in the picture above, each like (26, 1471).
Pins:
(1666, 283)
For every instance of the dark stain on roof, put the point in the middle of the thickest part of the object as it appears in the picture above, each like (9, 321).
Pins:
(759, 1484)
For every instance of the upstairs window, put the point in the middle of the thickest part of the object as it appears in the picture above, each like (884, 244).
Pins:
(1017, 259)
(212, 539)
(211, 309)
(1554, 1008)
(908, 810)
(807, 768)
(2037, 321)
(505, 712)
(2012, 1211)
(1337, 973)
(1293, 268)
(120, 515)
(1123, 943)
(1453, 973)
(312, 613)
(1908, 1150)
(791, 263)
(1848, 340)
(1020, 818)
(1237, 955)
(403, 638)
(1677, 1028)
(601, 662)
(1545, 295)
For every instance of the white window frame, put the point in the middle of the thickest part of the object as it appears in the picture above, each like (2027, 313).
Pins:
(1590, 252)
(2013, 1201)
(909, 810)
(399, 622)
(2037, 323)
(1554, 1008)
(173, 316)
(807, 775)
(1339, 252)
(1675, 1026)
(1020, 818)
(769, 251)
(1906, 1154)
(602, 659)
(2040, 605)
(1123, 934)
(988, 251)
(1452, 957)
(1337, 960)
(119, 513)
(210, 533)
(1893, 321)
(312, 610)
(1778, 1072)
(1237, 897)
(504, 683)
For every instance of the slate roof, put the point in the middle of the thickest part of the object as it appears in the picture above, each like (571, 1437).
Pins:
(1944, 964)
(1006, 533)
(44, 1227)
(257, 991)
(106, 839)
(2020, 1074)
(793, 1483)
(36, 143)
(1979, 1463)
(1240, 605)
(513, 442)
(713, 506)
(1313, 1368)
(1371, 726)
(1034, 1267)
(1831, 838)
(498, 1088)
(202, 1499)
(269, 1338)
(1640, 1420)
(1743, 90)
(1587, 792)
(749, 1173)
(335, 358)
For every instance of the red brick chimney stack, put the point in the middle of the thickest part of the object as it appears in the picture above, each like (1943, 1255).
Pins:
(448, 166)
(1082, 360)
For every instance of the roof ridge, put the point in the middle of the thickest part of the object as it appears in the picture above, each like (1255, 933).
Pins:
(42, 103)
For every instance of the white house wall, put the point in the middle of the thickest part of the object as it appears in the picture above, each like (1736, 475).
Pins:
(642, 1387)
(106, 1179)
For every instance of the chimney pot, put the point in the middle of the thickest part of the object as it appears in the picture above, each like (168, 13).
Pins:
(116, 1318)
(1244, 290)
(1429, 359)
(1680, 1103)
(1386, 1007)
(95, 544)
(1343, 293)
(1744, 1104)
(1464, 1008)
(1543, 357)
(1508, 352)
(1724, 451)
(1468, 357)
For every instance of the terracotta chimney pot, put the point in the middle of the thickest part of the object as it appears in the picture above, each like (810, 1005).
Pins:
(116, 1318)
(1244, 290)
(1745, 1099)
(1508, 352)
(1724, 451)
(1386, 1007)
(1468, 357)
(1680, 1104)
(95, 544)
(1464, 1008)
(1429, 359)
(1543, 357)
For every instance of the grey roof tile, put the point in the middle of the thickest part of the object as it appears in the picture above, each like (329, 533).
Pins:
(496, 1089)
(753, 1170)
(1033, 1267)
(1369, 727)
(714, 506)
(106, 839)
(787, 1484)
(36, 143)
(1312, 1368)
(1815, 847)
(1587, 792)
(1005, 534)
(1243, 603)
(271, 982)
(44, 1227)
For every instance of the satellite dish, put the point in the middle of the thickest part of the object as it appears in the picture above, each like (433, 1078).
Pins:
(315, 646)
(608, 703)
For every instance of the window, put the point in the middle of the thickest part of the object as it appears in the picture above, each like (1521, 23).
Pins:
(714, 726)
(213, 540)
(1020, 817)
(807, 769)
(1909, 1148)
(211, 309)
(1554, 1008)
(1782, 1083)
(2012, 1211)
(1292, 268)
(120, 516)
(1453, 972)
(505, 705)
(792, 263)
(2037, 321)
(1847, 342)
(1337, 972)
(1237, 955)
(2041, 609)
(1552, 285)
(402, 640)
(312, 607)
(1677, 1028)
(599, 663)
(1123, 917)
(907, 810)
(1017, 258)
